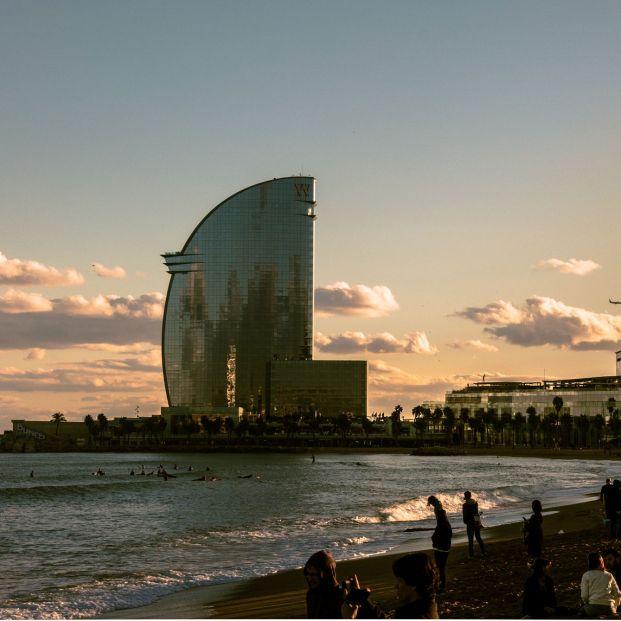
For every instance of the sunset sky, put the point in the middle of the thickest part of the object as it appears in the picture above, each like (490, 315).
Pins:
(468, 165)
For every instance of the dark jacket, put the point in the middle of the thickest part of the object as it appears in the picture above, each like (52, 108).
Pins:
(324, 603)
(469, 509)
(534, 534)
(424, 608)
(441, 538)
(536, 597)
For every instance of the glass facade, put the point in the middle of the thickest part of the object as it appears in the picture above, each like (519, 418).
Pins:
(588, 396)
(241, 295)
(328, 387)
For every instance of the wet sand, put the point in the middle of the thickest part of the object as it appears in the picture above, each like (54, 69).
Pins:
(478, 588)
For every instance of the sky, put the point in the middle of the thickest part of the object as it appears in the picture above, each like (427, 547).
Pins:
(467, 157)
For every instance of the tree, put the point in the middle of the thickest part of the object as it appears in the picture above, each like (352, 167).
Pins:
(518, 427)
(567, 423)
(449, 422)
(464, 416)
(505, 422)
(395, 419)
(58, 417)
(557, 403)
(583, 426)
(533, 424)
(89, 421)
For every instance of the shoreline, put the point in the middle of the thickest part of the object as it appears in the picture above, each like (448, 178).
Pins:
(570, 532)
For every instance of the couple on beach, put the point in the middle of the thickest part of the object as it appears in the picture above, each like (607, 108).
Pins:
(416, 584)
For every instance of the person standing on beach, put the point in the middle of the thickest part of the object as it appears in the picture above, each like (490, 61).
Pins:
(432, 501)
(534, 530)
(441, 542)
(472, 520)
(606, 489)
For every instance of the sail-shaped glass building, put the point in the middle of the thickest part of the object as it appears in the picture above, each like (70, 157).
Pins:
(240, 295)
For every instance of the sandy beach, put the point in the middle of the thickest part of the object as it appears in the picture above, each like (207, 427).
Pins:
(476, 588)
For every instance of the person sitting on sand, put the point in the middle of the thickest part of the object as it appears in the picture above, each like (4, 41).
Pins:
(324, 597)
(441, 541)
(612, 563)
(534, 530)
(598, 589)
(416, 585)
(472, 520)
(539, 597)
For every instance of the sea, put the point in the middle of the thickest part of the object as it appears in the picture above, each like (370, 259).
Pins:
(75, 544)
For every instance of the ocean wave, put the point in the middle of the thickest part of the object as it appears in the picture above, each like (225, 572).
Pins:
(42, 492)
(103, 595)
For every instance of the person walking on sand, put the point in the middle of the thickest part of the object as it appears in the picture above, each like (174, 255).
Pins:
(472, 520)
(441, 542)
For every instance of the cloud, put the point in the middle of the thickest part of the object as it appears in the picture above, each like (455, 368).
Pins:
(31, 321)
(389, 385)
(359, 300)
(545, 321)
(358, 342)
(18, 272)
(115, 376)
(13, 301)
(473, 344)
(148, 305)
(36, 354)
(577, 267)
(109, 272)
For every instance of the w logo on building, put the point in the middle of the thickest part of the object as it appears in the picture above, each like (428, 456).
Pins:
(302, 190)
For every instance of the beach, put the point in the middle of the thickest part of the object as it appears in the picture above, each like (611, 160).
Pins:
(483, 588)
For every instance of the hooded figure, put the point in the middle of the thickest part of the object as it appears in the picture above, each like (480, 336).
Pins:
(324, 596)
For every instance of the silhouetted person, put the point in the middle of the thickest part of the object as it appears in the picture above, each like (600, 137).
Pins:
(434, 502)
(472, 520)
(441, 541)
(606, 489)
(539, 597)
(534, 530)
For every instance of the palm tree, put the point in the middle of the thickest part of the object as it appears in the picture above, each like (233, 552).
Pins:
(583, 425)
(102, 423)
(567, 423)
(557, 403)
(395, 418)
(58, 417)
(518, 425)
(464, 416)
(89, 421)
(505, 421)
(598, 424)
(449, 422)
(533, 424)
